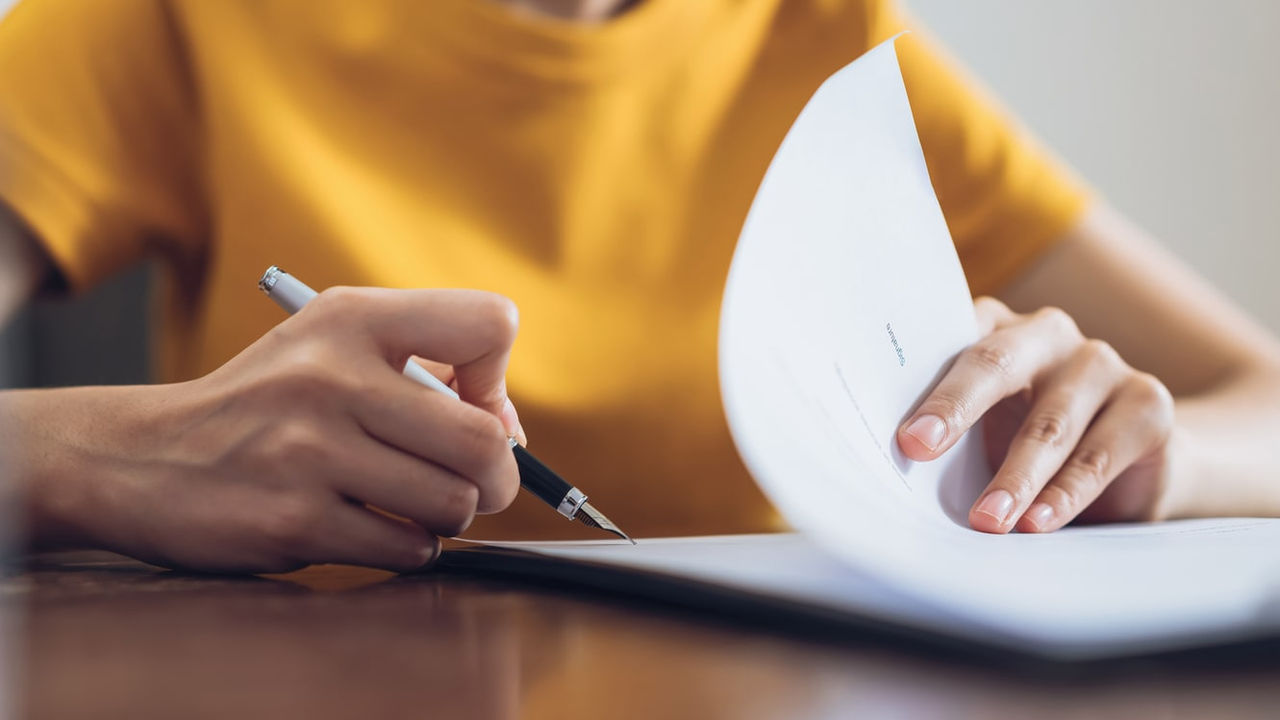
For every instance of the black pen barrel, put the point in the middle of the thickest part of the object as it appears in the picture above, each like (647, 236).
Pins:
(540, 479)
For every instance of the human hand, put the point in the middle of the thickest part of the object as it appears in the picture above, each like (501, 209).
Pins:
(1070, 427)
(271, 462)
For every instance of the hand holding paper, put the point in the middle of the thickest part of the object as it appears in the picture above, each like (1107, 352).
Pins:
(1066, 418)
(845, 305)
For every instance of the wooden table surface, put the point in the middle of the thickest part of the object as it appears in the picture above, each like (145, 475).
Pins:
(106, 637)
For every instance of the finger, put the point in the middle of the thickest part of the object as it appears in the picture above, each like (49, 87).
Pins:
(438, 429)
(997, 366)
(440, 501)
(1137, 420)
(353, 535)
(991, 315)
(468, 329)
(1000, 426)
(510, 420)
(1066, 403)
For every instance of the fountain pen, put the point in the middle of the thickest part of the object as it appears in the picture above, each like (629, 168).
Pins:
(291, 294)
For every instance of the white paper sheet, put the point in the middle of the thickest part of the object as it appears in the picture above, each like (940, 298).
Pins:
(1105, 621)
(844, 304)
(846, 242)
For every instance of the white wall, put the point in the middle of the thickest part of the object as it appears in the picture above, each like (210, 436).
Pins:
(1169, 108)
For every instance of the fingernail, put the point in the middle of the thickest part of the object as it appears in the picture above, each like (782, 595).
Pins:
(428, 555)
(930, 430)
(1040, 515)
(997, 504)
(511, 422)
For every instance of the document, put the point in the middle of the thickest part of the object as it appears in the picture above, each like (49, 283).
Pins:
(844, 304)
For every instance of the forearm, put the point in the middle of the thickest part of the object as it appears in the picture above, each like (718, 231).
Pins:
(57, 454)
(1227, 452)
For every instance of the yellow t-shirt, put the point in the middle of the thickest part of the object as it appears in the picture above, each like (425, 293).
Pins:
(596, 174)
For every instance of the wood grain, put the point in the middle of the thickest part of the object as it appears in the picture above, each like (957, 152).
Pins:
(105, 637)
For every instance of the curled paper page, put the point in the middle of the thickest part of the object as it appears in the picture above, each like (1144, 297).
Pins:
(845, 303)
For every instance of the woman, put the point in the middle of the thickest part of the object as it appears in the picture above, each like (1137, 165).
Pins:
(592, 162)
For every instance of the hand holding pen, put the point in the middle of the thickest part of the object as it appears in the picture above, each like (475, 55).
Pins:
(274, 460)
(291, 294)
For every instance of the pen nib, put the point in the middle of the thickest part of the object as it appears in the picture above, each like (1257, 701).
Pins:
(592, 517)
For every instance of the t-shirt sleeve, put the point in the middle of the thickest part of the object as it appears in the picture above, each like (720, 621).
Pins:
(1005, 197)
(98, 133)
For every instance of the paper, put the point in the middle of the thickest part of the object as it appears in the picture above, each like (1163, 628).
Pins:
(1101, 623)
(844, 304)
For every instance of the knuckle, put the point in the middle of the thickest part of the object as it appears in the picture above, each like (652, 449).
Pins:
(986, 301)
(295, 449)
(331, 302)
(308, 375)
(1101, 351)
(1159, 402)
(987, 306)
(499, 314)
(342, 305)
(299, 446)
(1048, 427)
(1058, 319)
(1150, 390)
(1018, 482)
(991, 357)
(290, 521)
(1064, 496)
(1090, 464)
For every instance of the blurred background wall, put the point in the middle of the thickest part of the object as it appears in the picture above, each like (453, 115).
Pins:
(1168, 108)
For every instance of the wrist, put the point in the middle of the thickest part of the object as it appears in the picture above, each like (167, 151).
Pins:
(69, 450)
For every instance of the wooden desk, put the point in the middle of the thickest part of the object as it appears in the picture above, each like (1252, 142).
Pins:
(106, 637)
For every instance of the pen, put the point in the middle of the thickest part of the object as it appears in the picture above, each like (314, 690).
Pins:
(291, 294)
